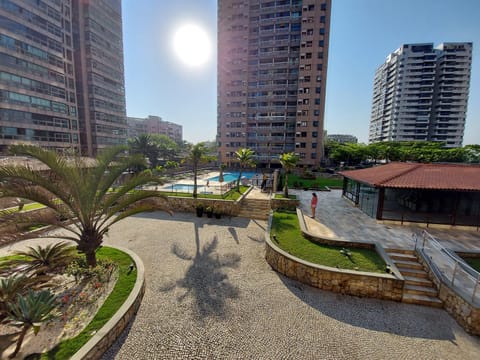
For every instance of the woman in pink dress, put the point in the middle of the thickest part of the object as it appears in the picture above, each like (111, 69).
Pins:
(313, 204)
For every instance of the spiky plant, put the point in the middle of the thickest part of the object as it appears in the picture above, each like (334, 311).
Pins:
(245, 158)
(42, 259)
(10, 287)
(289, 162)
(78, 191)
(30, 311)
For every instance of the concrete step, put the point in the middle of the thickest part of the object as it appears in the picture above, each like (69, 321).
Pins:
(401, 251)
(413, 272)
(422, 300)
(420, 290)
(408, 264)
(402, 257)
(412, 280)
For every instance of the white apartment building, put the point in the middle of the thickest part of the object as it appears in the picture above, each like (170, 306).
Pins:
(421, 93)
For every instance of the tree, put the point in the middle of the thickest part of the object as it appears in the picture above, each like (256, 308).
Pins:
(77, 191)
(144, 145)
(197, 155)
(167, 148)
(245, 158)
(289, 162)
(30, 311)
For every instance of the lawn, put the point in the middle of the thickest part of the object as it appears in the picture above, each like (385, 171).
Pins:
(298, 181)
(282, 196)
(289, 238)
(474, 263)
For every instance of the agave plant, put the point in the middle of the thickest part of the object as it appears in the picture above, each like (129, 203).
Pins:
(30, 311)
(10, 287)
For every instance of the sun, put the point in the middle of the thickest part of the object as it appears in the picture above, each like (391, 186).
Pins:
(192, 45)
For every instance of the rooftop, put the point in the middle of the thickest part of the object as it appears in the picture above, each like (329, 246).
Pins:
(419, 176)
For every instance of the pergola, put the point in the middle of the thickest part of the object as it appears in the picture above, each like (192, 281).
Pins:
(413, 192)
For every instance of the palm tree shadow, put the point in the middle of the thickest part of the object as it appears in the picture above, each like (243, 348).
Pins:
(205, 279)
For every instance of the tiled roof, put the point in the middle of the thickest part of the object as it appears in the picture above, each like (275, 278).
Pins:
(419, 176)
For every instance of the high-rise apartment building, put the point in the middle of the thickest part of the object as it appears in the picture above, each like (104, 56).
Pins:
(61, 74)
(99, 74)
(154, 125)
(272, 65)
(421, 93)
(37, 80)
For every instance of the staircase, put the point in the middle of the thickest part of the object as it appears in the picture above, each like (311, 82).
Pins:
(418, 288)
(255, 208)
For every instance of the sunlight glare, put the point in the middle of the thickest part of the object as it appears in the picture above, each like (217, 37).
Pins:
(192, 45)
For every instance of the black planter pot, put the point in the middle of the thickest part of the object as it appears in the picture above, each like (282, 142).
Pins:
(218, 216)
(199, 212)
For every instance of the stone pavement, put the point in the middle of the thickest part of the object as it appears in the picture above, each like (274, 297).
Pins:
(211, 295)
(338, 217)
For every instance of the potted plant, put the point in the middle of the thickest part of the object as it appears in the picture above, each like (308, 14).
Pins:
(199, 209)
(217, 213)
(209, 211)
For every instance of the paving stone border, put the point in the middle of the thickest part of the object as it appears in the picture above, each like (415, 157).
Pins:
(357, 283)
(108, 334)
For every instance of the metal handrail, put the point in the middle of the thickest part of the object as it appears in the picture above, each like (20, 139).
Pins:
(452, 259)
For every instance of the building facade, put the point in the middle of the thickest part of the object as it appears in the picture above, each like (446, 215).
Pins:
(61, 74)
(342, 138)
(272, 66)
(154, 125)
(99, 72)
(37, 75)
(421, 93)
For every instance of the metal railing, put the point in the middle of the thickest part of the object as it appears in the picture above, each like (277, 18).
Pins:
(452, 270)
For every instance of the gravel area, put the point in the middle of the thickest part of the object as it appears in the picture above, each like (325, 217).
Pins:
(211, 295)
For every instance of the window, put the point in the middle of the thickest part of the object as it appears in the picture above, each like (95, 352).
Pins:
(314, 145)
(314, 134)
(321, 43)
(313, 155)
(319, 67)
(322, 19)
(316, 112)
(320, 55)
(322, 31)
(318, 90)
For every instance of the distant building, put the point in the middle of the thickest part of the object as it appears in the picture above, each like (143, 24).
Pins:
(342, 138)
(272, 70)
(154, 125)
(421, 93)
(61, 74)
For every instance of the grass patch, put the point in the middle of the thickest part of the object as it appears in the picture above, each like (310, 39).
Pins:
(289, 238)
(115, 300)
(474, 263)
(319, 182)
(282, 196)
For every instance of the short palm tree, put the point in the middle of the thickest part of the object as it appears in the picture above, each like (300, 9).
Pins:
(30, 311)
(144, 145)
(289, 162)
(41, 259)
(245, 158)
(77, 191)
(197, 155)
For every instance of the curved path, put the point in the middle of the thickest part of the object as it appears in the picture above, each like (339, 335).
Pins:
(211, 295)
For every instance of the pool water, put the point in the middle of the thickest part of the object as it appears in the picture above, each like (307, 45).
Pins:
(232, 176)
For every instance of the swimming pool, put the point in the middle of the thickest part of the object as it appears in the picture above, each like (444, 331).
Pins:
(232, 176)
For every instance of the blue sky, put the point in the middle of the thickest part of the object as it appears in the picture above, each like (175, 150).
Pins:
(363, 33)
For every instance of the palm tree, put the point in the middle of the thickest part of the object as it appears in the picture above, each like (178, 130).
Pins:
(245, 158)
(289, 161)
(77, 191)
(144, 144)
(42, 259)
(30, 311)
(197, 155)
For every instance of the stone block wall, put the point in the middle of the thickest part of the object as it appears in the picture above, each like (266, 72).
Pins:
(288, 204)
(381, 286)
(464, 312)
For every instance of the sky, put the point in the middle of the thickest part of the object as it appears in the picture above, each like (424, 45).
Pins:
(362, 34)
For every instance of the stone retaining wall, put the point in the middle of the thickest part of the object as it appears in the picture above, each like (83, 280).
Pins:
(110, 332)
(357, 283)
(287, 204)
(464, 312)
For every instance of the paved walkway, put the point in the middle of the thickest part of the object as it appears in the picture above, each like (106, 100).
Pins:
(211, 295)
(337, 217)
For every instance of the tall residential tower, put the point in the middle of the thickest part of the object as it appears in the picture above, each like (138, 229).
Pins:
(61, 74)
(272, 65)
(421, 93)
(37, 79)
